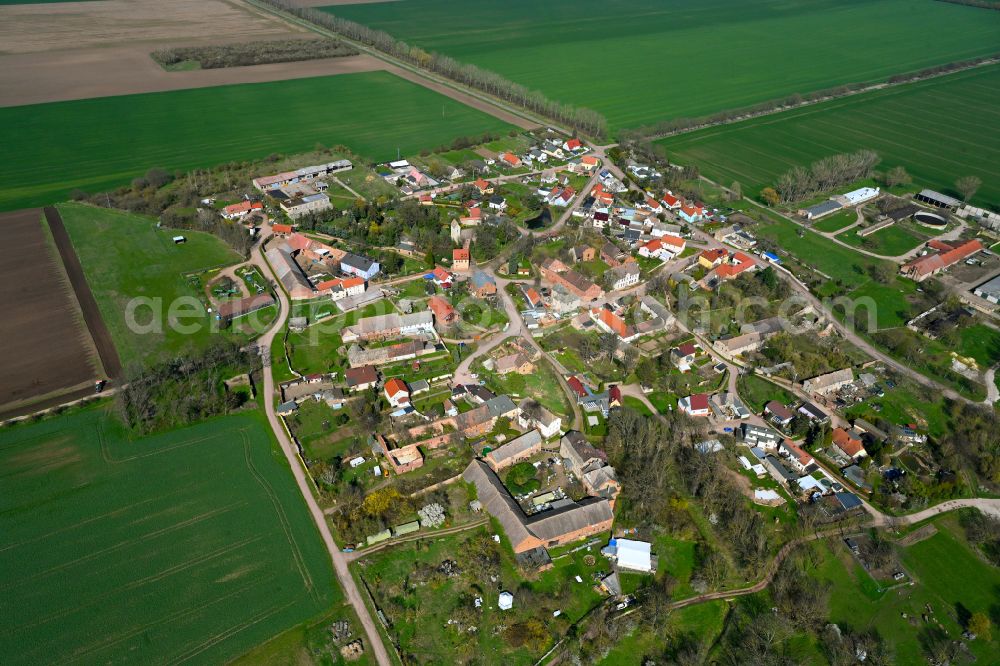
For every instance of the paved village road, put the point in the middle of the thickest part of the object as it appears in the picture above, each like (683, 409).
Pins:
(848, 333)
(336, 556)
(463, 373)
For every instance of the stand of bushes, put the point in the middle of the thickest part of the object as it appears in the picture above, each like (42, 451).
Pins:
(183, 390)
(252, 53)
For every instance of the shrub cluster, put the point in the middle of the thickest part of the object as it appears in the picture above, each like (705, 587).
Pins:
(253, 53)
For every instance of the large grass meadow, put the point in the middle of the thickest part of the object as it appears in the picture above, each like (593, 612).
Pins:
(125, 257)
(190, 546)
(95, 144)
(641, 61)
(939, 129)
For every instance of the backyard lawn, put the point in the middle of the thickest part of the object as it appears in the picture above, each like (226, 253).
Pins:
(542, 385)
(947, 575)
(757, 392)
(418, 600)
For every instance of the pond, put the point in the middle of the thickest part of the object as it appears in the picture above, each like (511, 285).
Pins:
(541, 221)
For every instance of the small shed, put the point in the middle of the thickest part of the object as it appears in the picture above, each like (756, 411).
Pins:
(506, 601)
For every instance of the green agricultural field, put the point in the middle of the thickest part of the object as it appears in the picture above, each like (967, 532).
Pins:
(125, 256)
(642, 61)
(940, 129)
(889, 242)
(189, 546)
(95, 144)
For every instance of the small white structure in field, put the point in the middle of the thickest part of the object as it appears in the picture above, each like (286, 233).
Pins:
(506, 601)
(355, 462)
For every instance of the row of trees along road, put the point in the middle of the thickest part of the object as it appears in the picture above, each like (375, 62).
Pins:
(584, 120)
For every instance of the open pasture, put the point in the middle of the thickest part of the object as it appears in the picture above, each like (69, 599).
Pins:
(642, 61)
(189, 546)
(47, 347)
(124, 256)
(102, 143)
(939, 129)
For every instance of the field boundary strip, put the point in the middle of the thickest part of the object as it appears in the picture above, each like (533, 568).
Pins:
(85, 297)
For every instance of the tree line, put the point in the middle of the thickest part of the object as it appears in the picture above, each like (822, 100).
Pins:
(824, 175)
(947, 67)
(580, 119)
(177, 206)
(984, 4)
(253, 53)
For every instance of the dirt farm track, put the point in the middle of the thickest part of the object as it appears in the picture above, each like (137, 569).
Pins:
(47, 331)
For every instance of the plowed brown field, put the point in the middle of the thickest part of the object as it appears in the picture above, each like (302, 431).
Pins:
(48, 353)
